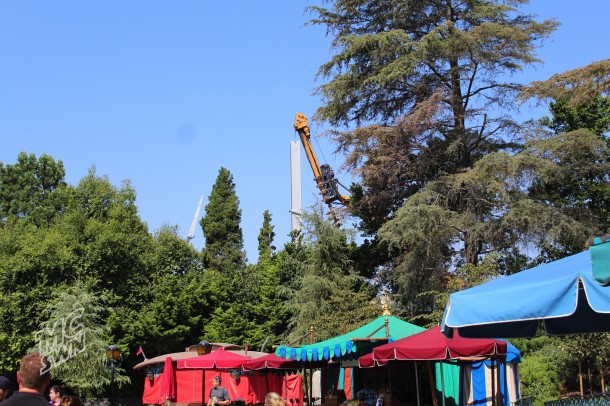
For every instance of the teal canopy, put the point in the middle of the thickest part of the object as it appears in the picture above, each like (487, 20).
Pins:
(345, 344)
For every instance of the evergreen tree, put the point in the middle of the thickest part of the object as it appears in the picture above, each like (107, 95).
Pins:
(258, 312)
(73, 335)
(506, 205)
(222, 231)
(430, 74)
(329, 296)
(265, 237)
(224, 255)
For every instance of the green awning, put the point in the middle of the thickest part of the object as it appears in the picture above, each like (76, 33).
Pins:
(600, 259)
(348, 343)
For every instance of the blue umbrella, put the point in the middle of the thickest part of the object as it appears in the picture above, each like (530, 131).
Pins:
(563, 294)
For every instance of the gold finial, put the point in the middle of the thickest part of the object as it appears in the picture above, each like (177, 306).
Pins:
(386, 306)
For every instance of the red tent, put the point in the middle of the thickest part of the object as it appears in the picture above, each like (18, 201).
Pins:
(168, 383)
(367, 361)
(435, 346)
(272, 361)
(220, 359)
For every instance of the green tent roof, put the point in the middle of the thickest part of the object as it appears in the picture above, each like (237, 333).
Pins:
(347, 343)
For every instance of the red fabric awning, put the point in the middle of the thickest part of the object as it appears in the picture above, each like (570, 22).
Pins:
(367, 361)
(434, 345)
(220, 359)
(168, 383)
(271, 361)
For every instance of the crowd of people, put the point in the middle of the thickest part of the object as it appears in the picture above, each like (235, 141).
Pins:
(33, 379)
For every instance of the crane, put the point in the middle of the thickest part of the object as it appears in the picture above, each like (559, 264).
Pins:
(194, 223)
(323, 174)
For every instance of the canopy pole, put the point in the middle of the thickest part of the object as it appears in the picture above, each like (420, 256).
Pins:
(304, 373)
(286, 385)
(440, 364)
(416, 383)
(494, 394)
(499, 379)
(311, 401)
(432, 380)
(389, 380)
(505, 383)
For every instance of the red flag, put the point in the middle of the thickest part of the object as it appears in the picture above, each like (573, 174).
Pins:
(140, 351)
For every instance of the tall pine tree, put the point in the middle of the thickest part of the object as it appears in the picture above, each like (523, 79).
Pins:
(224, 258)
(224, 241)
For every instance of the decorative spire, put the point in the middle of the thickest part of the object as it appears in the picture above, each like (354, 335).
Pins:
(385, 301)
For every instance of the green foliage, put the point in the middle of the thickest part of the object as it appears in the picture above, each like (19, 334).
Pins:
(31, 189)
(177, 299)
(429, 80)
(265, 237)
(329, 295)
(519, 206)
(255, 312)
(394, 54)
(593, 114)
(73, 336)
(540, 377)
(224, 240)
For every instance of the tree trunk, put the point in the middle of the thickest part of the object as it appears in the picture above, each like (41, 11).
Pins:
(582, 391)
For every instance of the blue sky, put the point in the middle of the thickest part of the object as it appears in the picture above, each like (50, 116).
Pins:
(164, 93)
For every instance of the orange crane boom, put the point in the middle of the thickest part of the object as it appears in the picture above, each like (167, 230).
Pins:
(323, 174)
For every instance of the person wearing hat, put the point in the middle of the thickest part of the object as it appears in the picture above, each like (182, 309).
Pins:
(5, 386)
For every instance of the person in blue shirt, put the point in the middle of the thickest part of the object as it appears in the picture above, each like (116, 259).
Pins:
(367, 394)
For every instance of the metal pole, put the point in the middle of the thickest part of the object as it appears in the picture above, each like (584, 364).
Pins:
(441, 366)
(112, 400)
(416, 383)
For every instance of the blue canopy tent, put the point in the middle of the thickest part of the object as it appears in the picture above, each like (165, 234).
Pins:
(569, 296)
(475, 387)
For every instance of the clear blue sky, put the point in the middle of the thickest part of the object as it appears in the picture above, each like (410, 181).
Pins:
(164, 93)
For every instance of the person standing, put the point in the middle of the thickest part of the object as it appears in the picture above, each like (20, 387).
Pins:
(33, 377)
(55, 394)
(218, 394)
(5, 386)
